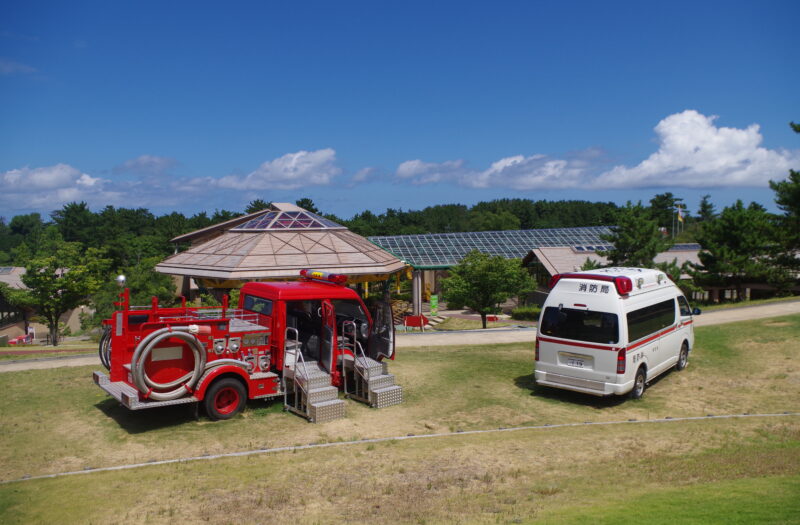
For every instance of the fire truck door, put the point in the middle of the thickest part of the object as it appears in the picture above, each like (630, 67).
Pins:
(381, 340)
(328, 334)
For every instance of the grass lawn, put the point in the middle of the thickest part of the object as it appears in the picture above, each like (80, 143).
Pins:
(692, 471)
(12, 352)
(741, 304)
(457, 323)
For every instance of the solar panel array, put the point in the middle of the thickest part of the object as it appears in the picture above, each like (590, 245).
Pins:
(447, 249)
(5, 270)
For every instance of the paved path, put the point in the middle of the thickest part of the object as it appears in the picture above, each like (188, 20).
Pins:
(470, 337)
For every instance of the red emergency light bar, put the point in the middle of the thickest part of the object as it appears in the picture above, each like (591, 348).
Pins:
(624, 285)
(315, 275)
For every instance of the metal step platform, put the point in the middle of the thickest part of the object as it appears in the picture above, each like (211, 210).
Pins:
(372, 383)
(129, 396)
(309, 393)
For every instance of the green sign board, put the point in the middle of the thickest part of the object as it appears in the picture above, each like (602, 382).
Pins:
(434, 305)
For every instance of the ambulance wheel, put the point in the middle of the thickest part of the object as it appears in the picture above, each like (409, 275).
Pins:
(639, 384)
(225, 398)
(683, 357)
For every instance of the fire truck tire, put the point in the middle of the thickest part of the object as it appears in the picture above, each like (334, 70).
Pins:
(104, 348)
(225, 398)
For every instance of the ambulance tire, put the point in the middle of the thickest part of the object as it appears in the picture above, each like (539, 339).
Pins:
(639, 383)
(683, 357)
(225, 398)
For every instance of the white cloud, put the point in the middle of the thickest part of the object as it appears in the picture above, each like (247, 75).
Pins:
(694, 153)
(291, 171)
(419, 172)
(516, 172)
(51, 187)
(528, 173)
(363, 175)
(146, 165)
(9, 67)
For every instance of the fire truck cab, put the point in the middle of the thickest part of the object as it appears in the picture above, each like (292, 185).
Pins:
(304, 341)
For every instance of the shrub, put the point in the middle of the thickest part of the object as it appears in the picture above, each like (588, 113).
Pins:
(526, 313)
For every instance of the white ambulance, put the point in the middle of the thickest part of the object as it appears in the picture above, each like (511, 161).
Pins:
(612, 330)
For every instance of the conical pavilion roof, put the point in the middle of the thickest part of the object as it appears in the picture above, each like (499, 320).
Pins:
(276, 244)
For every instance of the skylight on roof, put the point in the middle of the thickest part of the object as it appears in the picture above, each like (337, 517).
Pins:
(287, 220)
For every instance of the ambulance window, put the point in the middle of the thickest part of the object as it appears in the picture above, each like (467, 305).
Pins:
(683, 304)
(580, 325)
(258, 304)
(650, 319)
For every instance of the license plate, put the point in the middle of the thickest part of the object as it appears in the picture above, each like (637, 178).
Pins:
(574, 361)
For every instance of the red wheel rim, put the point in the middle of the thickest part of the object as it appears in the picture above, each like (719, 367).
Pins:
(227, 400)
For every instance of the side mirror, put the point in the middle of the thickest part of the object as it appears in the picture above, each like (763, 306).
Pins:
(696, 311)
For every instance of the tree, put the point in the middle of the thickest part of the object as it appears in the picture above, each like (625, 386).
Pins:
(307, 204)
(675, 272)
(62, 280)
(488, 221)
(737, 247)
(662, 209)
(787, 197)
(144, 284)
(257, 205)
(706, 211)
(76, 222)
(481, 282)
(636, 238)
(590, 264)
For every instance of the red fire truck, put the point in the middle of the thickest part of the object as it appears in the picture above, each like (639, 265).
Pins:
(304, 341)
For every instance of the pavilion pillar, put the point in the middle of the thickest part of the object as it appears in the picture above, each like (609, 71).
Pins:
(416, 292)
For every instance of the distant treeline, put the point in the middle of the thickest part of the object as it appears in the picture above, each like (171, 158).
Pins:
(131, 235)
(500, 214)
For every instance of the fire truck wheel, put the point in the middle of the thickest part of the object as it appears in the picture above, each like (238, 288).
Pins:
(225, 398)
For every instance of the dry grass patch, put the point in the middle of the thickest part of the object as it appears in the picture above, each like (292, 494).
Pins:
(503, 477)
(58, 420)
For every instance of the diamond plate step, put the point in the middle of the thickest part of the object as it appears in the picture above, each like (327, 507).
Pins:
(384, 397)
(318, 395)
(313, 375)
(374, 367)
(380, 381)
(326, 410)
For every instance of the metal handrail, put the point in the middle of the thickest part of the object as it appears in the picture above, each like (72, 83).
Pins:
(348, 329)
(360, 350)
(298, 357)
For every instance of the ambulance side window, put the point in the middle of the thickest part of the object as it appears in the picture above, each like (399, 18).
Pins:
(683, 304)
(650, 319)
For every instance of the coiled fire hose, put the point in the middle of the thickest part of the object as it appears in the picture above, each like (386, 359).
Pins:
(104, 348)
(181, 385)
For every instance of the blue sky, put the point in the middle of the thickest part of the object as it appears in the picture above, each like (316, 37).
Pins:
(193, 106)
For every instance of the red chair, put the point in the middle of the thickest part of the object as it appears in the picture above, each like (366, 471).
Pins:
(415, 321)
